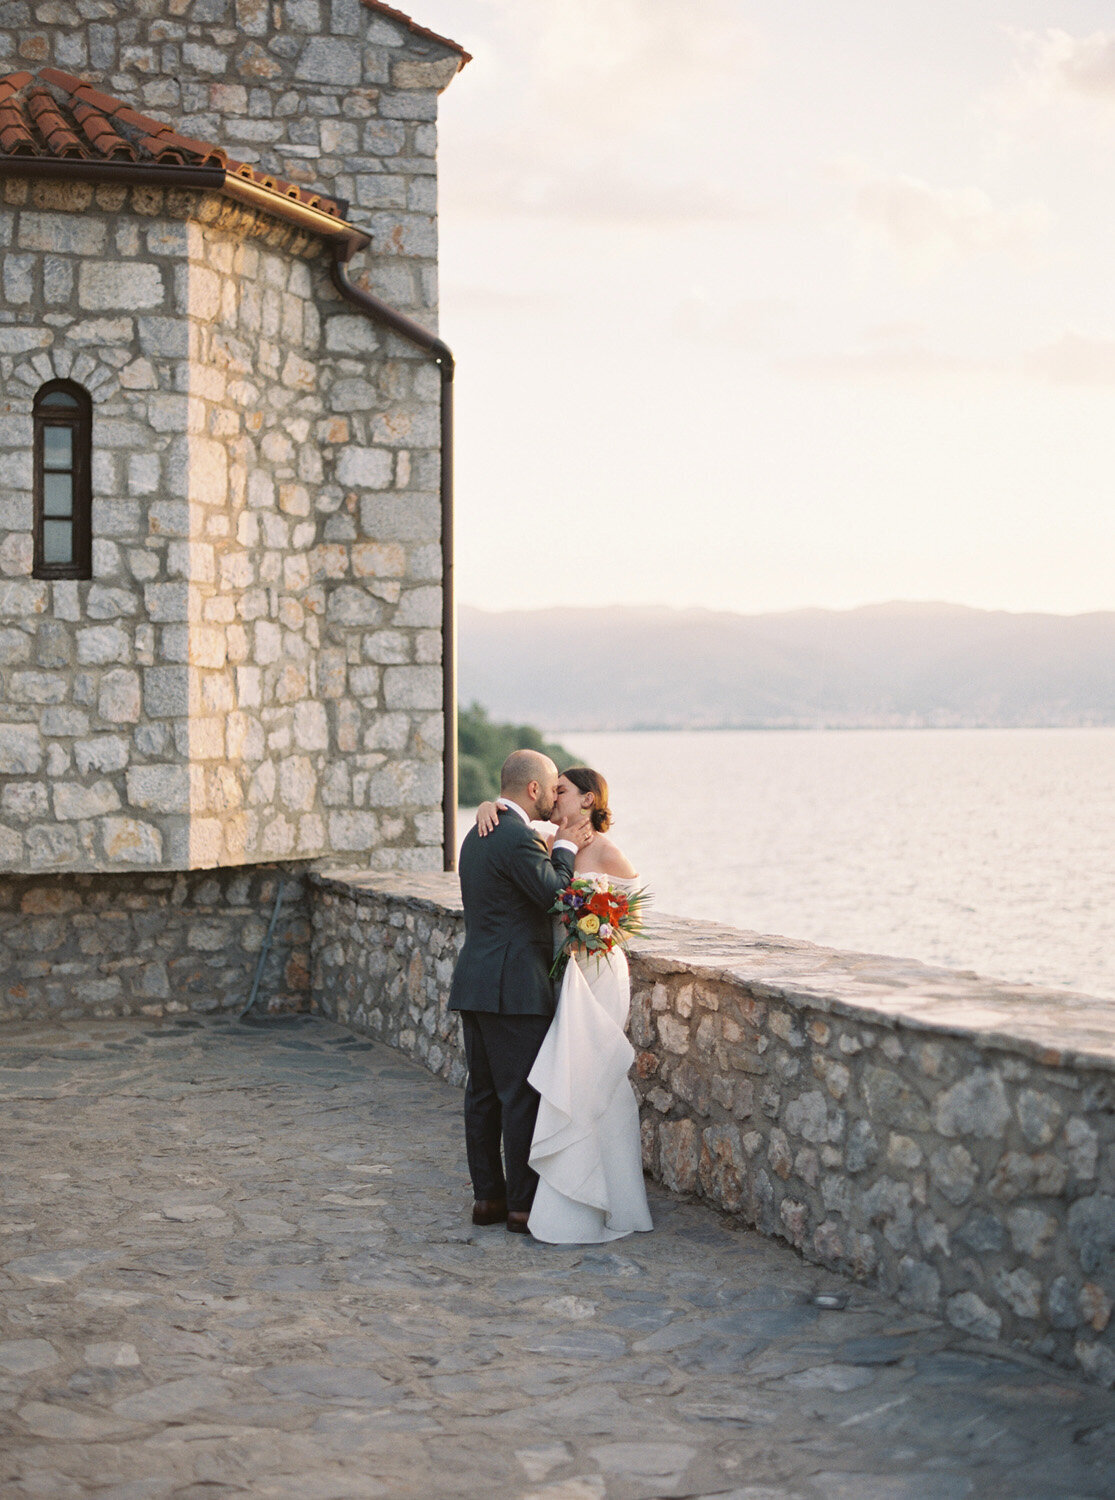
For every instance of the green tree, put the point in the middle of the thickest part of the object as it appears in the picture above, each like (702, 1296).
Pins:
(483, 746)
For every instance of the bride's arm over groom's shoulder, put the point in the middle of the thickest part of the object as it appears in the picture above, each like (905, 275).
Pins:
(487, 818)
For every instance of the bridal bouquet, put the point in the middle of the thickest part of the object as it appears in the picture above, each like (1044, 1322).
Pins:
(597, 917)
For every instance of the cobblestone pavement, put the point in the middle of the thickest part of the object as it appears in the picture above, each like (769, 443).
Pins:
(238, 1262)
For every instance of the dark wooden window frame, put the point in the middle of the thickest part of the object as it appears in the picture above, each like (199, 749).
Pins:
(80, 421)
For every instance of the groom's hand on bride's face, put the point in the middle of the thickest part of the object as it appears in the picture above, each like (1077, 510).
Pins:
(577, 828)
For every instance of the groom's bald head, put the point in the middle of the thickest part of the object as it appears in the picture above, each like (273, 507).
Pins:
(522, 767)
(529, 779)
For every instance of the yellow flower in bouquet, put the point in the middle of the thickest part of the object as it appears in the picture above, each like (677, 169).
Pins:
(597, 917)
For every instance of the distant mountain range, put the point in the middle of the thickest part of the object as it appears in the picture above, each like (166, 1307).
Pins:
(886, 665)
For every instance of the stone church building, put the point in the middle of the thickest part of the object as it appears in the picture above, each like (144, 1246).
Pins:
(225, 526)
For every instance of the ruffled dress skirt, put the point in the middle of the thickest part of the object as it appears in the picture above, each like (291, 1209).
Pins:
(586, 1148)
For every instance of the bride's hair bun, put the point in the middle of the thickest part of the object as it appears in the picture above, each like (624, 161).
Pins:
(591, 781)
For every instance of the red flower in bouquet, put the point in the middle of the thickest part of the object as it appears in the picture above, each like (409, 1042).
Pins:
(597, 917)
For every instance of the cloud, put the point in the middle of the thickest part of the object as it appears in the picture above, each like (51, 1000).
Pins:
(893, 351)
(931, 227)
(1062, 83)
(1074, 360)
(589, 189)
(901, 333)
(491, 301)
(1057, 63)
(746, 326)
(914, 362)
(1071, 359)
(583, 110)
(624, 63)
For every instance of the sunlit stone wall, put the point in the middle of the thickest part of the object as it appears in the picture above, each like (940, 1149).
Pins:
(254, 670)
(950, 1139)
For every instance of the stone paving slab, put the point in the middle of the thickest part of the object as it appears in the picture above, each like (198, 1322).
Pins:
(237, 1261)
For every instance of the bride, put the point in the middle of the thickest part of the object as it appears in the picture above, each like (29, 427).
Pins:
(586, 1145)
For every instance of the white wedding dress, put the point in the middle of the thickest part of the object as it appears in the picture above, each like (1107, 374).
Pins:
(586, 1147)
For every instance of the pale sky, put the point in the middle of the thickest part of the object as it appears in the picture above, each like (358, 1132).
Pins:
(763, 305)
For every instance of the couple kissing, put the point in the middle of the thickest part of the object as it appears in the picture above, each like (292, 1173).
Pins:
(551, 1121)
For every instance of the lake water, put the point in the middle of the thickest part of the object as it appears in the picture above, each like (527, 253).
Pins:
(991, 850)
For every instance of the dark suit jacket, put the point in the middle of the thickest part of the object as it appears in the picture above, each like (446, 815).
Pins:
(508, 884)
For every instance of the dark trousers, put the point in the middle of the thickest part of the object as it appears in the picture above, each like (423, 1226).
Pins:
(499, 1102)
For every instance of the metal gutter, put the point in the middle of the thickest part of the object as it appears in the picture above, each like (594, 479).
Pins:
(439, 351)
(141, 174)
(284, 207)
(217, 179)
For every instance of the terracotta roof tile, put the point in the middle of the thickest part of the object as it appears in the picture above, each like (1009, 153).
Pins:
(105, 103)
(60, 137)
(61, 117)
(200, 152)
(15, 138)
(13, 82)
(413, 26)
(101, 136)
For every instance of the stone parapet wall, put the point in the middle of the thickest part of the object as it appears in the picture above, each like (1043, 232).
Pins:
(383, 958)
(950, 1139)
(74, 946)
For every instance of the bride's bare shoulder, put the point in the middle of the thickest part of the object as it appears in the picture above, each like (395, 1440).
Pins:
(603, 855)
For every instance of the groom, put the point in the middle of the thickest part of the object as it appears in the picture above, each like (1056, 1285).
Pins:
(502, 984)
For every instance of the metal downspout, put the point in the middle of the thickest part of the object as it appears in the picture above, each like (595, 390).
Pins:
(440, 352)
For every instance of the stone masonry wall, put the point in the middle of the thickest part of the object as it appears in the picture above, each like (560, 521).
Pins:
(331, 94)
(950, 1139)
(253, 671)
(118, 945)
(315, 642)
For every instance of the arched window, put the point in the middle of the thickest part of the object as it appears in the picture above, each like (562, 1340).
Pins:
(63, 417)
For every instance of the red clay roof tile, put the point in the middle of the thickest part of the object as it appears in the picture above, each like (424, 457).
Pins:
(105, 103)
(101, 136)
(60, 137)
(15, 137)
(62, 117)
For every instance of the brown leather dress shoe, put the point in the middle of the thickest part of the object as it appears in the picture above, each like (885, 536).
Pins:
(489, 1211)
(517, 1223)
